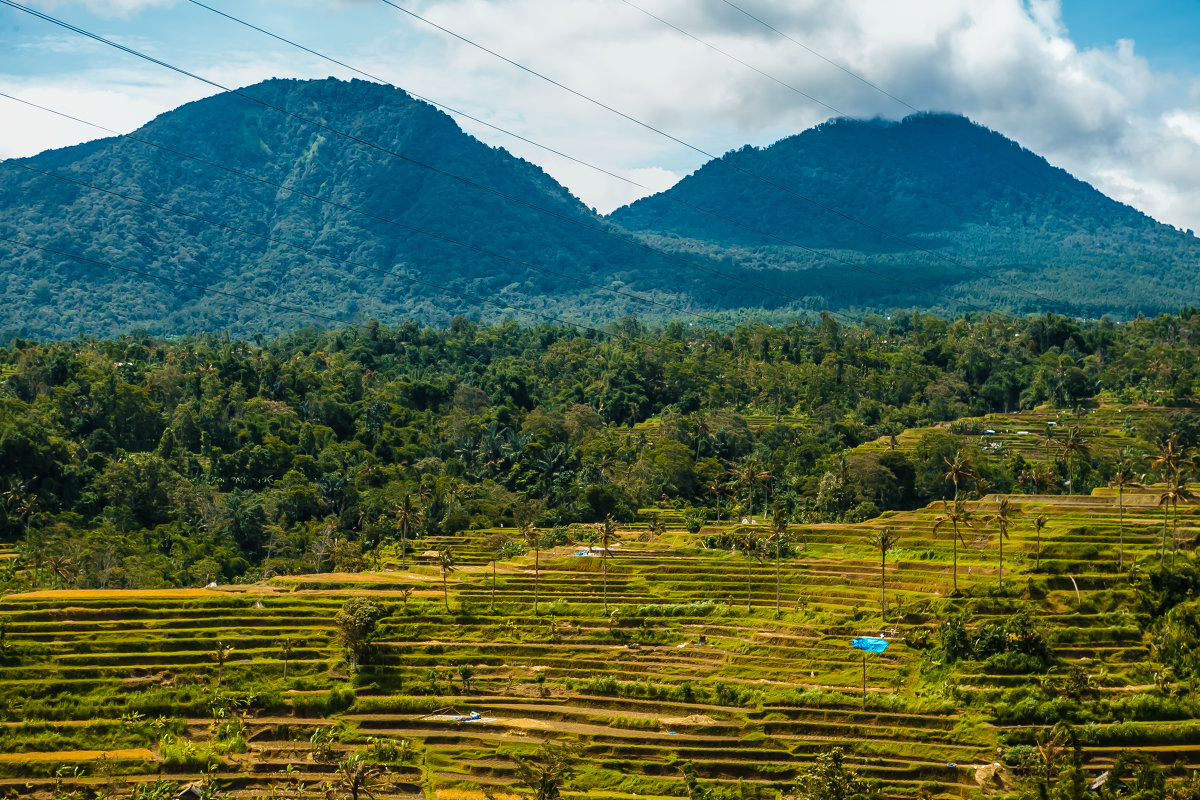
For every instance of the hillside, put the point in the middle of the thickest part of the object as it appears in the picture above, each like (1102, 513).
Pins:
(446, 228)
(938, 181)
(405, 216)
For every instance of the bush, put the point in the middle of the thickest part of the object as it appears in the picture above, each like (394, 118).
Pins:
(696, 608)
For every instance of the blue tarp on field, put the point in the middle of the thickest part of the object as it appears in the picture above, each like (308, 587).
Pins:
(869, 643)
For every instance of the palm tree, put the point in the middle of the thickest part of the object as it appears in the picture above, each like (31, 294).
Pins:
(606, 529)
(1074, 446)
(886, 541)
(1175, 491)
(494, 544)
(408, 514)
(356, 774)
(956, 515)
(221, 655)
(1122, 479)
(532, 539)
(1002, 519)
(718, 490)
(1170, 459)
(445, 560)
(750, 474)
(959, 469)
(285, 649)
(1038, 524)
(779, 536)
(752, 543)
(1049, 441)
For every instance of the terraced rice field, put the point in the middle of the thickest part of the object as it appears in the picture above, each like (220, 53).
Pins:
(746, 696)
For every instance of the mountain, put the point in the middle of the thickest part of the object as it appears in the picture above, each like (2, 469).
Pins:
(498, 237)
(933, 200)
(353, 201)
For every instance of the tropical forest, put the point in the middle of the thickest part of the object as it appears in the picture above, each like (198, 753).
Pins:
(906, 556)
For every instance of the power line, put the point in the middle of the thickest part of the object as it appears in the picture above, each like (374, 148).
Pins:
(767, 75)
(466, 181)
(826, 59)
(970, 140)
(325, 201)
(705, 153)
(680, 201)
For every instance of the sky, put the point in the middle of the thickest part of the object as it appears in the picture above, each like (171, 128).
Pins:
(1109, 91)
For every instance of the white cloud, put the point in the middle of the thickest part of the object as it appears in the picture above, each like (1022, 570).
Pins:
(1101, 113)
(105, 8)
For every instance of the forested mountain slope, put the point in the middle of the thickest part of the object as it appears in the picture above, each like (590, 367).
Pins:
(447, 226)
(868, 191)
(405, 216)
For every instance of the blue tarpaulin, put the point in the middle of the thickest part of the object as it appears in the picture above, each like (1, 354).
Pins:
(869, 643)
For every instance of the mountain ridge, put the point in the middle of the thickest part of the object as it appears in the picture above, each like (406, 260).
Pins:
(504, 227)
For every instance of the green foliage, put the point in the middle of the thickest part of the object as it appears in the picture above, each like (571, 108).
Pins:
(827, 778)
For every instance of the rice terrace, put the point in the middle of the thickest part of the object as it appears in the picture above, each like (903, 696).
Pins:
(427, 631)
(599, 400)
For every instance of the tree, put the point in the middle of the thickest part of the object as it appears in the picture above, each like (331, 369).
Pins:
(751, 542)
(956, 515)
(959, 468)
(466, 673)
(285, 650)
(718, 490)
(1003, 520)
(1074, 446)
(356, 773)
(886, 541)
(545, 773)
(356, 624)
(749, 475)
(1038, 525)
(220, 655)
(1175, 491)
(494, 545)
(533, 539)
(408, 514)
(827, 778)
(607, 531)
(780, 536)
(445, 562)
(1123, 478)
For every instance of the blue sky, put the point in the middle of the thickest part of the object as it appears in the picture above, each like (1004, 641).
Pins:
(1167, 32)
(1109, 91)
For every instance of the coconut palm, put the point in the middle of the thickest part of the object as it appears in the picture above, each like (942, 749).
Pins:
(494, 545)
(957, 514)
(718, 490)
(221, 654)
(356, 773)
(1074, 446)
(1122, 479)
(445, 561)
(285, 650)
(531, 537)
(958, 469)
(1038, 525)
(408, 514)
(749, 475)
(607, 531)
(780, 535)
(1003, 520)
(750, 541)
(886, 541)
(1176, 490)
(1171, 458)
